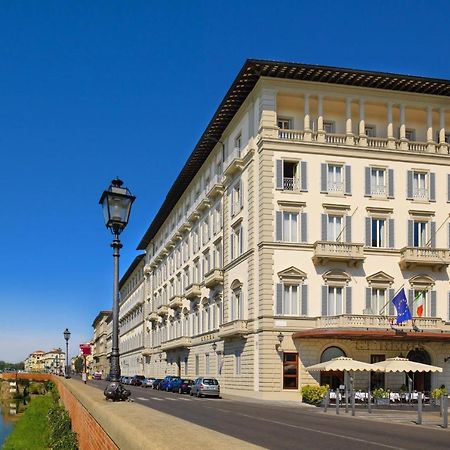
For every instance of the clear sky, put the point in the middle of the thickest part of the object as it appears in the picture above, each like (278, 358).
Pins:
(94, 89)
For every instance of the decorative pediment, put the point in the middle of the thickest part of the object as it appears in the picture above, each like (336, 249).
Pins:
(236, 284)
(205, 301)
(421, 282)
(381, 279)
(292, 275)
(336, 277)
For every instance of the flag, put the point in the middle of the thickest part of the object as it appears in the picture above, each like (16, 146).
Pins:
(401, 305)
(420, 303)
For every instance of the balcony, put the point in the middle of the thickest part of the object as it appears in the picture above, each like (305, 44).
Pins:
(216, 191)
(153, 317)
(326, 251)
(290, 184)
(233, 329)
(176, 302)
(193, 291)
(213, 278)
(163, 310)
(374, 321)
(236, 166)
(180, 342)
(436, 258)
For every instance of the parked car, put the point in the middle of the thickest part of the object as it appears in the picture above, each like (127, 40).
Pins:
(182, 385)
(156, 383)
(165, 383)
(148, 382)
(205, 386)
(125, 380)
(136, 380)
(97, 376)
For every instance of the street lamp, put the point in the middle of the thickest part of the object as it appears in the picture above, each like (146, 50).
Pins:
(67, 337)
(116, 203)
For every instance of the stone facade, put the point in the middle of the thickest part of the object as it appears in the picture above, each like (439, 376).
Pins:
(99, 343)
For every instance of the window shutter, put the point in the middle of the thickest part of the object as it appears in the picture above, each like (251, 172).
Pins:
(432, 187)
(279, 226)
(241, 195)
(369, 301)
(391, 183)
(348, 180)
(231, 202)
(448, 188)
(448, 306)
(433, 234)
(433, 304)
(232, 245)
(304, 227)
(304, 176)
(279, 307)
(348, 228)
(368, 229)
(367, 190)
(410, 233)
(411, 301)
(409, 185)
(391, 232)
(323, 178)
(304, 311)
(279, 174)
(324, 220)
(391, 307)
(232, 306)
(241, 241)
(324, 300)
(348, 300)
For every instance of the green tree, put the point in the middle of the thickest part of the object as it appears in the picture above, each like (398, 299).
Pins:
(79, 365)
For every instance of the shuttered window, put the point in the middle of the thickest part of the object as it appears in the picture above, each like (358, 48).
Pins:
(292, 300)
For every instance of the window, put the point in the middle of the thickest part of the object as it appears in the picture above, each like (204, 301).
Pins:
(334, 228)
(290, 176)
(207, 363)
(284, 124)
(378, 233)
(291, 227)
(290, 370)
(217, 256)
(370, 131)
(376, 378)
(291, 305)
(335, 301)
(236, 199)
(420, 234)
(421, 305)
(236, 241)
(217, 218)
(335, 178)
(420, 185)
(378, 300)
(237, 305)
(206, 267)
(197, 364)
(238, 143)
(329, 126)
(378, 183)
(237, 362)
(410, 134)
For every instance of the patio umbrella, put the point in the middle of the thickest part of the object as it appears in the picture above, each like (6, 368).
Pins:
(403, 365)
(343, 364)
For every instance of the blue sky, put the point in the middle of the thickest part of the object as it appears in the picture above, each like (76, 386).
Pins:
(94, 89)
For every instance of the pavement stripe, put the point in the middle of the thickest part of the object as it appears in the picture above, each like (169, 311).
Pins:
(157, 398)
(328, 433)
(186, 399)
(142, 398)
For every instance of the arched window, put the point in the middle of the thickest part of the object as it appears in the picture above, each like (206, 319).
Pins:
(330, 353)
(333, 379)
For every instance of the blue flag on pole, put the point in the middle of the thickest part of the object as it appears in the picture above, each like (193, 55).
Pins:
(401, 305)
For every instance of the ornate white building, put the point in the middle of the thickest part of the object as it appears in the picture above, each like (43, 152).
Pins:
(313, 195)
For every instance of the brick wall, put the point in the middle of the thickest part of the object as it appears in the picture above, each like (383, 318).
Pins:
(91, 436)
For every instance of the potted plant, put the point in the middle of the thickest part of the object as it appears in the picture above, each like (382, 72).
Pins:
(437, 393)
(381, 396)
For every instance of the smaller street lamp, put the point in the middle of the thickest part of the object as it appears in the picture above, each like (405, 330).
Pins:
(67, 337)
(280, 338)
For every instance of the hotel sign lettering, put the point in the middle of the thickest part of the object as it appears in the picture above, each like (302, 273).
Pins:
(387, 346)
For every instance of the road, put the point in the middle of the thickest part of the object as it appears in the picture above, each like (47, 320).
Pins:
(281, 426)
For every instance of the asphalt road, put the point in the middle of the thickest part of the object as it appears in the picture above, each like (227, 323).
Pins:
(281, 426)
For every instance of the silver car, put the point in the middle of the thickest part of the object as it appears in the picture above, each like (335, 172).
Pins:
(206, 386)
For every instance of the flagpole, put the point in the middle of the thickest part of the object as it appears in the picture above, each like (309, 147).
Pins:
(389, 301)
(436, 232)
(345, 226)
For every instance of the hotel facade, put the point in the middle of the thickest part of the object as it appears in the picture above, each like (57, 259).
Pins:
(314, 194)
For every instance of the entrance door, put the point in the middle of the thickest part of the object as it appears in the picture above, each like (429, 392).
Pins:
(421, 380)
(377, 379)
(290, 370)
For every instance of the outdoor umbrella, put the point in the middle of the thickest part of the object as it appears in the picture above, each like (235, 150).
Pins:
(403, 365)
(343, 364)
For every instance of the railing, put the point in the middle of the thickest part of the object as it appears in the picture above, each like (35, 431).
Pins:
(374, 321)
(234, 328)
(421, 193)
(332, 138)
(290, 184)
(291, 135)
(416, 256)
(338, 251)
(417, 146)
(179, 342)
(378, 190)
(335, 186)
(377, 142)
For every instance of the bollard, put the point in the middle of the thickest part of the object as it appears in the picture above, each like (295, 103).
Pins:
(353, 402)
(441, 406)
(337, 401)
(346, 399)
(369, 402)
(444, 401)
(419, 408)
(326, 400)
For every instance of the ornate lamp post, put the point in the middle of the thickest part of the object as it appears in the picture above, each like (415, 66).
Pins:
(67, 337)
(116, 203)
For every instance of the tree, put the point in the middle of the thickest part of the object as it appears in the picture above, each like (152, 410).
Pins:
(79, 365)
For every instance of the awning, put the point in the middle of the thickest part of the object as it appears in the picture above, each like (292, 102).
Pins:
(336, 333)
(404, 365)
(342, 363)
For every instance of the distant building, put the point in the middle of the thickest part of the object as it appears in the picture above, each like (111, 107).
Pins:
(54, 361)
(99, 351)
(35, 362)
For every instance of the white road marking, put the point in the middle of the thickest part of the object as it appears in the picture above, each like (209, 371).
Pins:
(314, 430)
(157, 398)
(142, 398)
(185, 399)
(173, 399)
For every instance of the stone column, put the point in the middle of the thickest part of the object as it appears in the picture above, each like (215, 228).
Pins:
(320, 130)
(403, 140)
(350, 137)
(268, 113)
(430, 141)
(390, 127)
(307, 120)
(362, 124)
(443, 146)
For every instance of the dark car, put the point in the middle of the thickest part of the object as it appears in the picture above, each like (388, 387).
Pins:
(156, 383)
(205, 386)
(166, 383)
(136, 380)
(182, 385)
